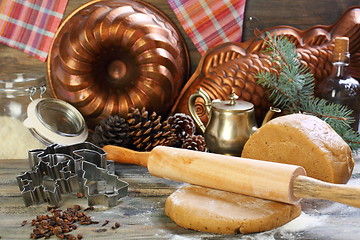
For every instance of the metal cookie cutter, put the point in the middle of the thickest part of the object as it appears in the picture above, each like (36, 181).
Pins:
(75, 168)
(79, 152)
(47, 182)
(102, 187)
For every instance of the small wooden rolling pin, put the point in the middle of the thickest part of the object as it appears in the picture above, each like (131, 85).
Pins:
(268, 180)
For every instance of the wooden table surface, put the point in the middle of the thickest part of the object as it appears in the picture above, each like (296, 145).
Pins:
(141, 213)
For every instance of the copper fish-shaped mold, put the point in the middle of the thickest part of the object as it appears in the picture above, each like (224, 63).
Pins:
(233, 66)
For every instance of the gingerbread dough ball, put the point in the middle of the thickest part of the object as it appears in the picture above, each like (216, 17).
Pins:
(305, 141)
(209, 210)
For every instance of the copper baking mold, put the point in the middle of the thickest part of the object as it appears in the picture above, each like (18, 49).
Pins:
(109, 56)
(232, 66)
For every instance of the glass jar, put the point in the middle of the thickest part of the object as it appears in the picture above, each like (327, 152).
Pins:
(16, 92)
(340, 87)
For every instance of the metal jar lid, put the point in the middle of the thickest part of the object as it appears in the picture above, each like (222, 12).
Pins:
(55, 121)
(232, 105)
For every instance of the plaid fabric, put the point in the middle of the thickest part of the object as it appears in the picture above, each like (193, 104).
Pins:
(210, 22)
(30, 25)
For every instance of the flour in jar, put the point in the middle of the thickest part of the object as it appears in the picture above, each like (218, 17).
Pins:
(16, 139)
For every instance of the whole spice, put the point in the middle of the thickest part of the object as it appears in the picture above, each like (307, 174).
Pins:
(116, 225)
(59, 223)
(77, 207)
(105, 223)
(57, 230)
(89, 208)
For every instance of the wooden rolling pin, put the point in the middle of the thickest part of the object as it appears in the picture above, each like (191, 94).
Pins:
(274, 181)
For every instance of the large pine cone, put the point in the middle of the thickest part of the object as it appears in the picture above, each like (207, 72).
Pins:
(113, 130)
(148, 131)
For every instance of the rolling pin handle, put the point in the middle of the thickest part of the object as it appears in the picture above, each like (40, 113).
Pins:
(126, 156)
(307, 187)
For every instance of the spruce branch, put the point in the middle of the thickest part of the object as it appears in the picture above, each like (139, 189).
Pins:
(292, 89)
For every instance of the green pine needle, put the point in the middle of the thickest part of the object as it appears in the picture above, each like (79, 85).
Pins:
(292, 90)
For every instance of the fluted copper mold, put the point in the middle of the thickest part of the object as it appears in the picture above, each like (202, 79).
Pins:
(110, 56)
(233, 66)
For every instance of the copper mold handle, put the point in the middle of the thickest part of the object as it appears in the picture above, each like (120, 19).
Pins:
(192, 109)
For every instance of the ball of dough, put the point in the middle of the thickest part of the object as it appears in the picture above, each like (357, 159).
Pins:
(305, 141)
(209, 210)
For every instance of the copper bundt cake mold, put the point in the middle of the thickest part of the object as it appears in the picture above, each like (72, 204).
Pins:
(233, 66)
(110, 56)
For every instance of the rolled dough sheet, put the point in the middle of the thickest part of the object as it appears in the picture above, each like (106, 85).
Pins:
(209, 210)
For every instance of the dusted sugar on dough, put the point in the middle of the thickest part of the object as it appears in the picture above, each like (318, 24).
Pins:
(209, 210)
(305, 141)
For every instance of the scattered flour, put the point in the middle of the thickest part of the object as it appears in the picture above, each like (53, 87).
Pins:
(16, 139)
(290, 230)
(357, 163)
(304, 222)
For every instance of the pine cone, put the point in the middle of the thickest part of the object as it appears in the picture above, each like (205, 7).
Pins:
(113, 130)
(195, 142)
(183, 124)
(147, 131)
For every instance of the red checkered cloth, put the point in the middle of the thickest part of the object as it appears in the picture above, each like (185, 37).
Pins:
(30, 25)
(210, 22)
